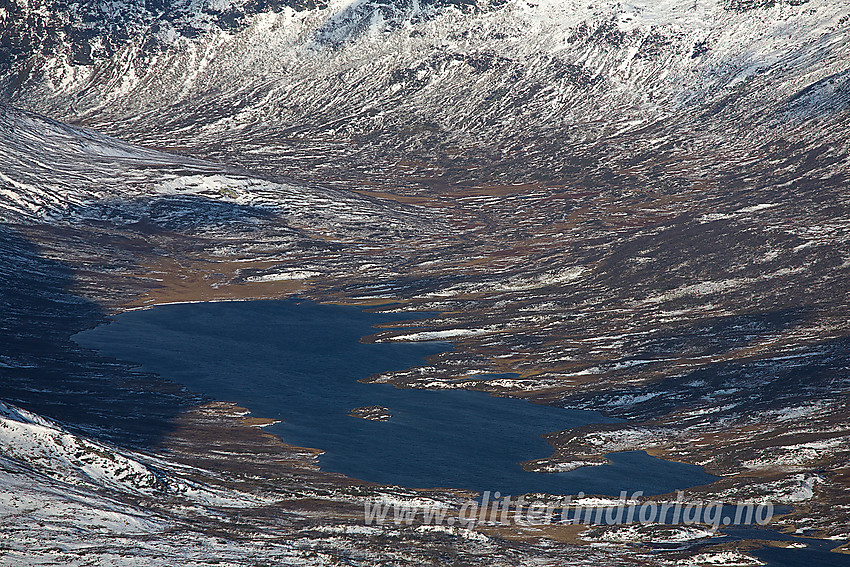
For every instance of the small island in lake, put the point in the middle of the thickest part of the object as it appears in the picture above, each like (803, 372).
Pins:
(372, 413)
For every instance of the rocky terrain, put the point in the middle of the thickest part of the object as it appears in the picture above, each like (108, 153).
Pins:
(373, 413)
(635, 208)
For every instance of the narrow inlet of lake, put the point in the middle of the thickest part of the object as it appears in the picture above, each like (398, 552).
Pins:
(300, 362)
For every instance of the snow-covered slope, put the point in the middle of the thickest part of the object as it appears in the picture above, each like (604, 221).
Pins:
(43, 447)
(46, 447)
(528, 88)
(53, 172)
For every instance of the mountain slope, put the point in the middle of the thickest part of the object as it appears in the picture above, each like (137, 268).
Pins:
(533, 91)
(56, 173)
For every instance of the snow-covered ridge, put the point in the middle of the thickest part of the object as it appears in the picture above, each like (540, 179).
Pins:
(295, 87)
(51, 450)
(58, 173)
(572, 44)
(41, 446)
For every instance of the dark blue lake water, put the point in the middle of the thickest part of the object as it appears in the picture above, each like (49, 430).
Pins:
(300, 362)
(817, 551)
